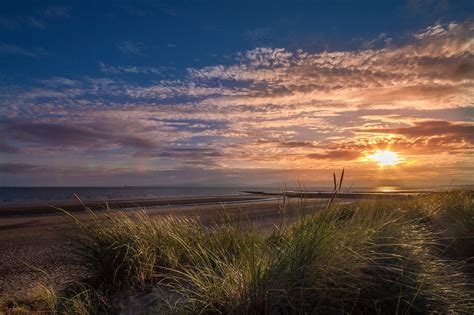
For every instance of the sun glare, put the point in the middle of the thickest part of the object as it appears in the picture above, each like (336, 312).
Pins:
(385, 158)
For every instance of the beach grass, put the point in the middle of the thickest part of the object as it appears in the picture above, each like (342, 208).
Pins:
(410, 256)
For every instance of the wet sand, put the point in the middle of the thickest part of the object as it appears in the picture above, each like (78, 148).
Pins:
(34, 244)
(41, 208)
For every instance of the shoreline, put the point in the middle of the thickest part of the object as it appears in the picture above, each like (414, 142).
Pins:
(14, 209)
(48, 208)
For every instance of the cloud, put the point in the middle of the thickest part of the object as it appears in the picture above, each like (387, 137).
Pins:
(290, 144)
(15, 50)
(267, 109)
(67, 136)
(58, 171)
(56, 82)
(37, 21)
(430, 128)
(6, 148)
(131, 69)
(131, 47)
(258, 34)
(21, 168)
(188, 155)
(380, 41)
(17, 22)
(56, 11)
(345, 155)
(34, 22)
(436, 69)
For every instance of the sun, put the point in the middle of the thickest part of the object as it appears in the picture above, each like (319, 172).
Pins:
(385, 158)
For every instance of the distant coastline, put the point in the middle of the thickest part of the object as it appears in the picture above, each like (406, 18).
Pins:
(66, 194)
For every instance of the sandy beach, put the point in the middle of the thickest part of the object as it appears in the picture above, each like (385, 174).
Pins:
(34, 243)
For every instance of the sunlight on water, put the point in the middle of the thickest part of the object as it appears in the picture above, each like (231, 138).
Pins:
(387, 189)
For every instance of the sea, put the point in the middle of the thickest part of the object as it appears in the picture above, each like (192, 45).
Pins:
(41, 194)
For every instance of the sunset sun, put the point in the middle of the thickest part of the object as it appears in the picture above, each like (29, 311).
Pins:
(385, 158)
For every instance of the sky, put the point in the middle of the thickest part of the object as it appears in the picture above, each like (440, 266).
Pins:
(236, 93)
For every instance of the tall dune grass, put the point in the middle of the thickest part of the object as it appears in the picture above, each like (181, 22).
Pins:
(364, 258)
(404, 257)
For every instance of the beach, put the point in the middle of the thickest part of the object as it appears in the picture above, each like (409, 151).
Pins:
(34, 243)
(38, 255)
